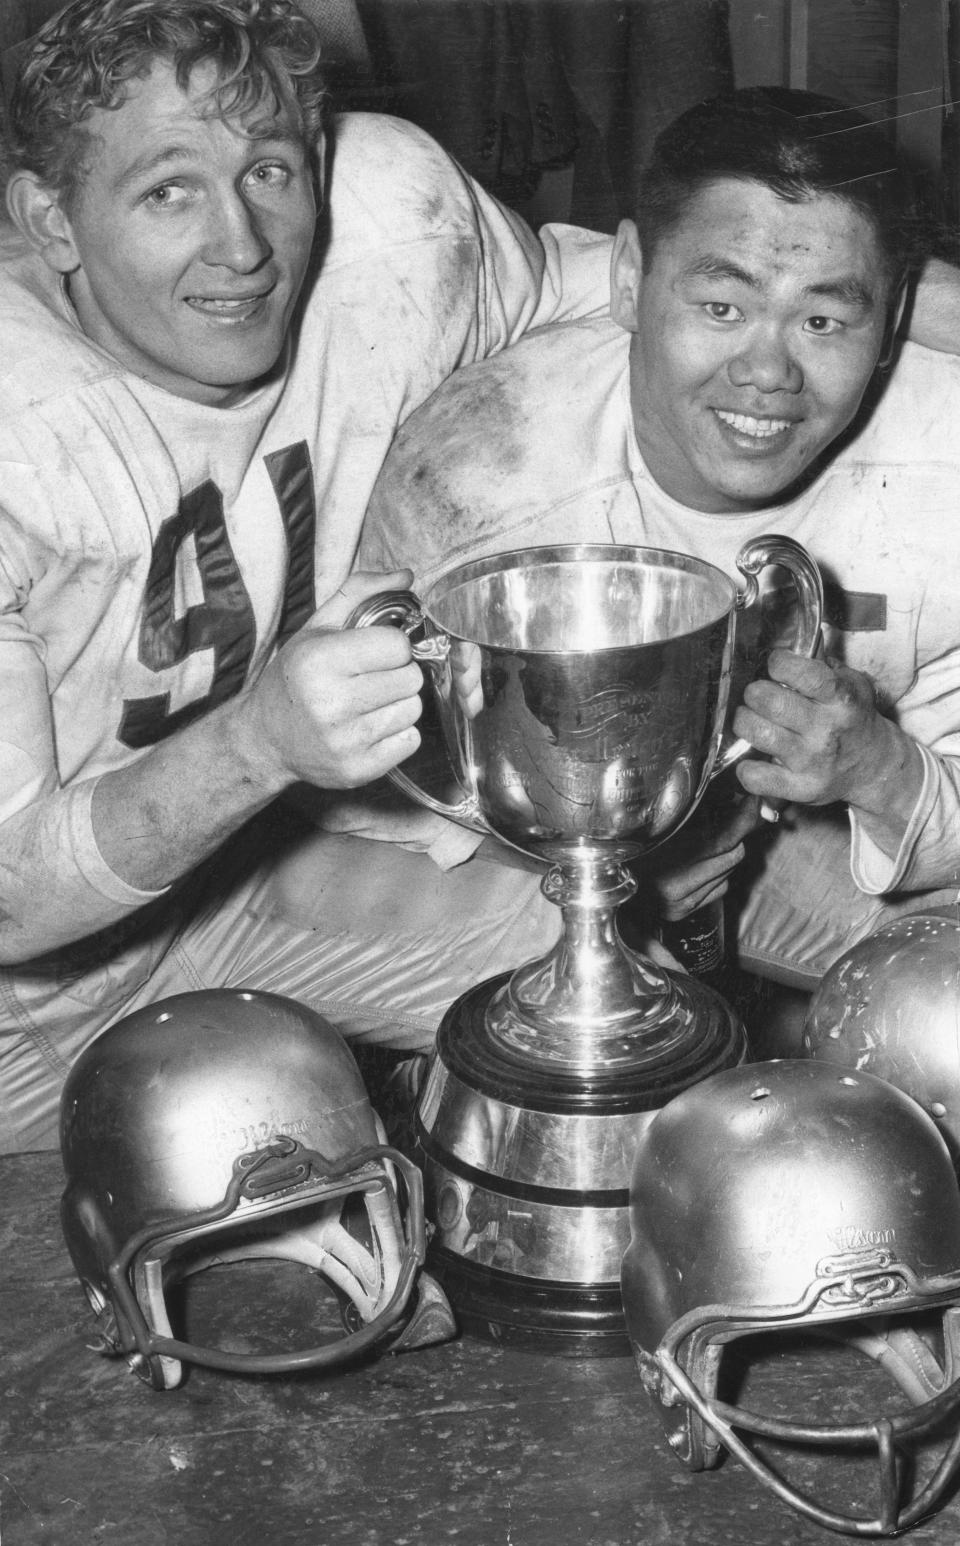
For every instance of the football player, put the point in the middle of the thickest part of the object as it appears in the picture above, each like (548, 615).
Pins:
(217, 306)
(741, 386)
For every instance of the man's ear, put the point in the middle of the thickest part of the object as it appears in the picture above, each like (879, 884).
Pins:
(36, 211)
(626, 276)
(892, 329)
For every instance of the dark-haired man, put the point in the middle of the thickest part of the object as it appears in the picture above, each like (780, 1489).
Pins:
(739, 389)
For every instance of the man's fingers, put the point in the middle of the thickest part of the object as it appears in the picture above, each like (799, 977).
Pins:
(764, 732)
(776, 705)
(358, 652)
(771, 781)
(391, 718)
(684, 890)
(814, 678)
(377, 759)
(825, 681)
(366, 746)
(376, 689)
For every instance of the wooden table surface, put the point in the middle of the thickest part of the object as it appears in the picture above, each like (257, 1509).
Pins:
(469, 1443)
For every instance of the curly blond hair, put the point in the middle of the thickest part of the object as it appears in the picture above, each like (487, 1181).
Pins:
(86, 56)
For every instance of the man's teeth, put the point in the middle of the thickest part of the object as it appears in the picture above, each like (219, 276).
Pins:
(761, 429)
(210, 304)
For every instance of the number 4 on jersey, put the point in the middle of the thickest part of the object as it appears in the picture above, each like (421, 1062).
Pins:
(224, 621)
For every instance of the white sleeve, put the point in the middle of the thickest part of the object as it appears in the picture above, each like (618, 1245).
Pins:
(529, 281)
(27, 754)
(929, 855)
(576, 281)
(60, 845)
(27, 770)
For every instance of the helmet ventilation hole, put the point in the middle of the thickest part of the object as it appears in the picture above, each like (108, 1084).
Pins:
(760, 1093)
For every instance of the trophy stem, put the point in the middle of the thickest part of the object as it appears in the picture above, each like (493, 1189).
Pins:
(590, 1004)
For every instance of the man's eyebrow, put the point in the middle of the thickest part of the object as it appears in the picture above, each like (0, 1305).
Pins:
(151, 160)
(849, 289)
(846, 288)
(174, 154)
(711, 266)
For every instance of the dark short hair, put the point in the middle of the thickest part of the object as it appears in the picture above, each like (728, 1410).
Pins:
(86, 56)
(796, 143)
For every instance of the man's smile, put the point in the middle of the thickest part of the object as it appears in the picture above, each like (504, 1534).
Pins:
(756, 325)
(754, 428)
(230, 308)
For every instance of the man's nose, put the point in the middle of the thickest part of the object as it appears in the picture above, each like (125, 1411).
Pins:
(235, 237)
(766, 362)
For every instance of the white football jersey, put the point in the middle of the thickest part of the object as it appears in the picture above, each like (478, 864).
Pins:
(538, 446)
(154, 551)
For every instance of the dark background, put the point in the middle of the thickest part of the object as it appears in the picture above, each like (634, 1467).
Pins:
(553, 104)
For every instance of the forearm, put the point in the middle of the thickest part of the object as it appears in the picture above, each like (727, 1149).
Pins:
(826, 742)
(887, 793)
(84, 857)
(928, 856)
(156, 819)
(334, 708)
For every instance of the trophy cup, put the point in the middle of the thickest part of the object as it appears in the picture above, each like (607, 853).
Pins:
(582, 692)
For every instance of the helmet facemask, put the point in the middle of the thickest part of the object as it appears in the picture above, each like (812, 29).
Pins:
(154, 1198)
(787, 1201)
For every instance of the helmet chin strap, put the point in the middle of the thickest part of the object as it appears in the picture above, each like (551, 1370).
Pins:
(366, 1278)
(906, 1356)
(324, 1246)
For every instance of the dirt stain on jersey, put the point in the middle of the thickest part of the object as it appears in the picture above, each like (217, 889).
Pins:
(456, 457)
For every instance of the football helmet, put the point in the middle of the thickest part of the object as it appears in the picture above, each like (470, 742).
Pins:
(891, 1006)
(791, 1195)
(228, 1125)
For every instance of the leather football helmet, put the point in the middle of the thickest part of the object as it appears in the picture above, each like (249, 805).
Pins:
(891, 1006)
(792, 1196)
(228, 1125)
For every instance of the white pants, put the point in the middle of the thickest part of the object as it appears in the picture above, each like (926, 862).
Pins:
(381, 941)
(794, 907)
(377, 939)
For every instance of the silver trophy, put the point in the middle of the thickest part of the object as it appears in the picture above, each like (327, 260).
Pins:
(582, 693)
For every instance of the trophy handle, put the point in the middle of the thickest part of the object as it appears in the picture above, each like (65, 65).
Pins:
(752, 558)
(402, 609)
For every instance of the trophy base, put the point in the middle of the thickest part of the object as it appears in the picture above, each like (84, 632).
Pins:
(576, 1320)
(527, 1170)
